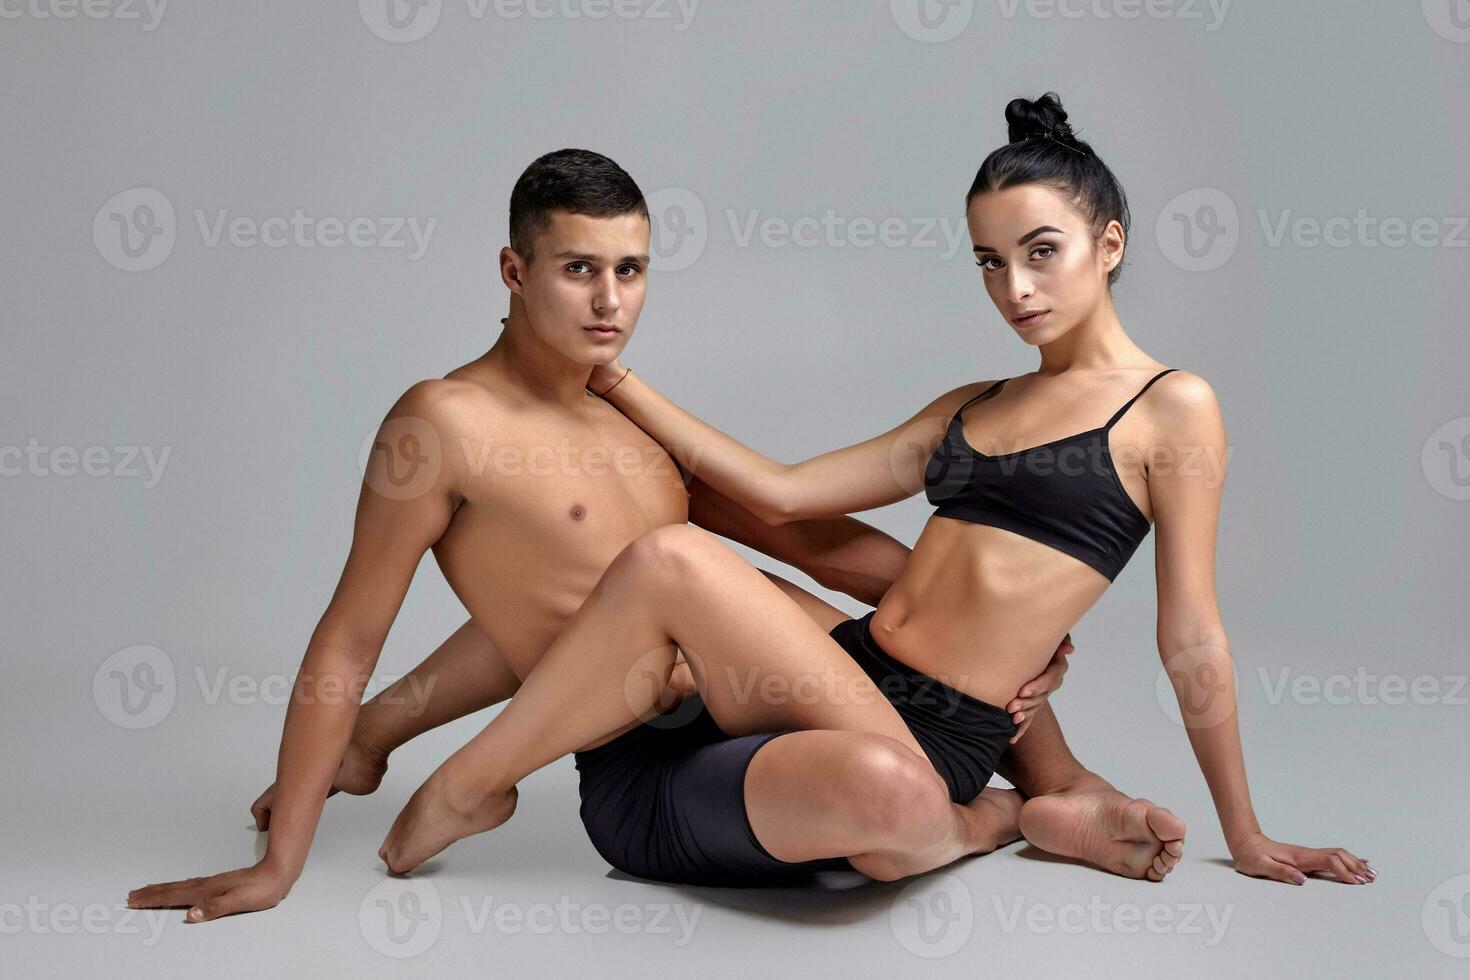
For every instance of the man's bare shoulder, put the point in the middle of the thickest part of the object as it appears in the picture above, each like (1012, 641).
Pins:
(453, 403)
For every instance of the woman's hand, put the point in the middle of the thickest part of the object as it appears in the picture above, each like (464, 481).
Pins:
(1033, 693)
(1261, 857)
(604, 376)
(246, 890)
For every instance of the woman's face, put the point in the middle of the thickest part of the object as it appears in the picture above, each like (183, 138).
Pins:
(1036, 253)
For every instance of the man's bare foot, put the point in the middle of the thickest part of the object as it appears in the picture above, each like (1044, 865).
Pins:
(437, 816)
(997, 822)
(360, 773)
(1130, 837)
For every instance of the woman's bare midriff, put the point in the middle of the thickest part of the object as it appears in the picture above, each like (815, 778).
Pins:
(982, 608)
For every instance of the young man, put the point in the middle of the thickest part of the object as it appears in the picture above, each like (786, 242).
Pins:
(526, 487)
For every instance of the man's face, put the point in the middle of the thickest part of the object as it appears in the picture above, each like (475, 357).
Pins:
(584, 288)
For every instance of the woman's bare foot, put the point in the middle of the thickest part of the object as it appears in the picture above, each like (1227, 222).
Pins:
(997, 818)
(360, 773)
(1130, 837)
(436, 816)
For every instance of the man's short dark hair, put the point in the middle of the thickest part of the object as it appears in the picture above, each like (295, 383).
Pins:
(578, 181)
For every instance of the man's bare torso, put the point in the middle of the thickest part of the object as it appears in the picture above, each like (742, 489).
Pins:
(550, 495)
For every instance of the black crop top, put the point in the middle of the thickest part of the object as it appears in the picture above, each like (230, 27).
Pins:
(1065, 493)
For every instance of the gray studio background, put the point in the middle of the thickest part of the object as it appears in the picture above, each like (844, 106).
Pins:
(1339, 360)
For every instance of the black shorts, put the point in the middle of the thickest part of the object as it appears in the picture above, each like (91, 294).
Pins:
(666, 800)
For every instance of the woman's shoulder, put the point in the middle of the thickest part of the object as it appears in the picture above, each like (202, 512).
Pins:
(1183, 405)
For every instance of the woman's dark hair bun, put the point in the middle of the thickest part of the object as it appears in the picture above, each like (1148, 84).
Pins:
(1027, 118)
(1044, 150)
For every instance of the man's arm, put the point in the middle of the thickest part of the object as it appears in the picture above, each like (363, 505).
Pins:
(408, 497)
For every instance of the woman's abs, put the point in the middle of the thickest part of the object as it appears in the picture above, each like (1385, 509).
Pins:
(981, 608)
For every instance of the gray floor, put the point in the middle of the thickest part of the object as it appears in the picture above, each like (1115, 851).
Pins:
(115, 809)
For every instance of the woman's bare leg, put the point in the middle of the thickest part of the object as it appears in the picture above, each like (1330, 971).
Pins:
(760, 662)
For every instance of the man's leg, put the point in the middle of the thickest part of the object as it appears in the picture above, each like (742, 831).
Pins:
(1074, 812)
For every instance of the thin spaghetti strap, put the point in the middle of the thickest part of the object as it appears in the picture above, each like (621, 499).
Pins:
(979, 396)
(1119, 413)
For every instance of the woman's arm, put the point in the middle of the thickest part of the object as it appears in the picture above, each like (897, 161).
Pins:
(1186, 478)
(882, 470)
(839, 553)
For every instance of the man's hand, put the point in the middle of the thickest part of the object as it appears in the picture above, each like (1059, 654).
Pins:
(604, 376)
(1034, 692)
(246, 890)
(1261, 857)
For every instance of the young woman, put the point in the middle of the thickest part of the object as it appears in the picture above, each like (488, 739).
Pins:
(1044, 485)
